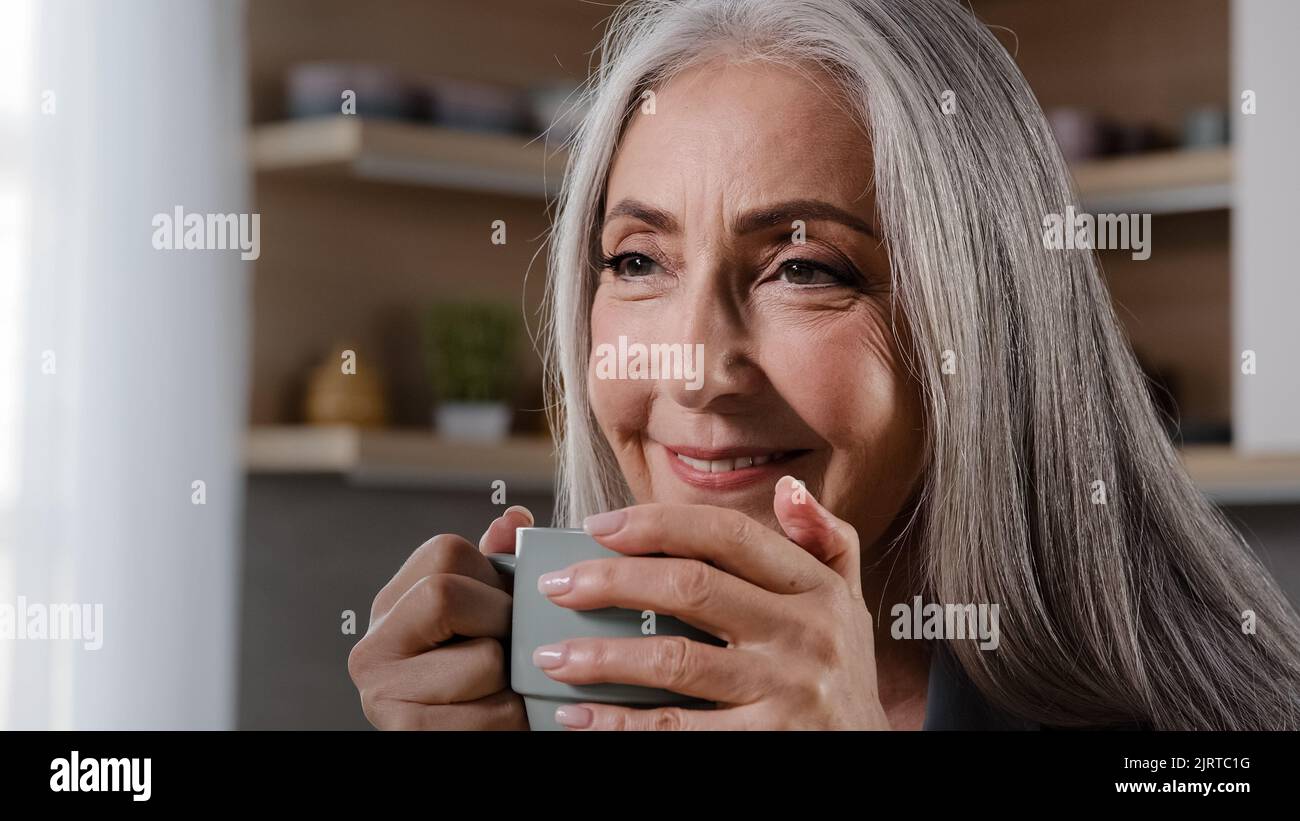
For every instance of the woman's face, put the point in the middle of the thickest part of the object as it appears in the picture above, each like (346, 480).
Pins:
(801, 372)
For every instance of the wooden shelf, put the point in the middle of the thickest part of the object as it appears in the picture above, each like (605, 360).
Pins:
(408, 154)
(1165, 182)
(1233, 478)
(428, 155)
(397, 458)
(417, 458)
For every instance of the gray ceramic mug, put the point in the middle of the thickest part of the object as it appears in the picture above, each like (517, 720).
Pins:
(537, 621)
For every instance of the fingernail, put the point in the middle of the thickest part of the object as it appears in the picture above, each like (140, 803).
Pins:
(555, 582)
(550, 656)
(603, 524)
(573, 716)
(520, 509)
(797, 487)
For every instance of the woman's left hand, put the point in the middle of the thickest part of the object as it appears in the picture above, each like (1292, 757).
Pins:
(800, 651)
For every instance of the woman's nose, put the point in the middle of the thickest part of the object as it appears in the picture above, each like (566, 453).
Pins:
(724, 373)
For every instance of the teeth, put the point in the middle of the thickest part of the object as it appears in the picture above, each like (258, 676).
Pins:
(728, 465)
(698, 464)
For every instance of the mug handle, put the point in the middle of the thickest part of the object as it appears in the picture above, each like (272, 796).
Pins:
(503, 562)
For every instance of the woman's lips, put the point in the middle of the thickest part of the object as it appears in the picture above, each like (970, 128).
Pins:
(728, 468)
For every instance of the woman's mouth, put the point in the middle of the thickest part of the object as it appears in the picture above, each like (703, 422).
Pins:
(727, 468)
(728, 465)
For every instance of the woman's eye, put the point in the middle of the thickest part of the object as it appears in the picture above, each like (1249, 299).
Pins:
(798, 272)
(631, 265)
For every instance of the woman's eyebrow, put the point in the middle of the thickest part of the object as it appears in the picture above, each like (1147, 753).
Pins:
(654, 217)
(756, 219)
(784, 213)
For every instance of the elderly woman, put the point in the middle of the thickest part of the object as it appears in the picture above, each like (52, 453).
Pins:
(905, 393)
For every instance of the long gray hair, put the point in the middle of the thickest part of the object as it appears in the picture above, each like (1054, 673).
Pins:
(1127, 611)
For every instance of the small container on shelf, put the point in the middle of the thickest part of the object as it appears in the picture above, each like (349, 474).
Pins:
(1205, 127)
(1078, 131)
(557, 111)
(340, 391)
(471, 349)
(472, 106)
(318, 90)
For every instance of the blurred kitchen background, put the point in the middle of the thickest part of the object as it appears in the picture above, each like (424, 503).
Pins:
(369, 380)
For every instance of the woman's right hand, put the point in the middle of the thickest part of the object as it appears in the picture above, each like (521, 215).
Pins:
(410, 674)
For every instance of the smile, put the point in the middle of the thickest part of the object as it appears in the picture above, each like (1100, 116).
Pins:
(728, 465)
(728, 468)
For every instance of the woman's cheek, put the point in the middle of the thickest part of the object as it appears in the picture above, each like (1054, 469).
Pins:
(842, 379)
(620, 405)
(835, 378)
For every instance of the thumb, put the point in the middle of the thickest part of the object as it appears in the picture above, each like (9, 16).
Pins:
(500, 535)
(814, 528)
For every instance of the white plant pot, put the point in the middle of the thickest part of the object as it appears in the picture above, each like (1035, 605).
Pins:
(473, 421)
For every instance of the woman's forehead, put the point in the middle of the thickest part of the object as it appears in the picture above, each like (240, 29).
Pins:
(750, 132)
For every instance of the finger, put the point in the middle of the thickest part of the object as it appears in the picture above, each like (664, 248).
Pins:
(727, 538)
(503, 710)
(445, 553)
(588, 716)
(460, 672)
(670, 663)
(831, 540)
(500, 535)
(437, 608)
(700, 595)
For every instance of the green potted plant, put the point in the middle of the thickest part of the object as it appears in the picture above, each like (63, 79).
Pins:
(471, 350)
